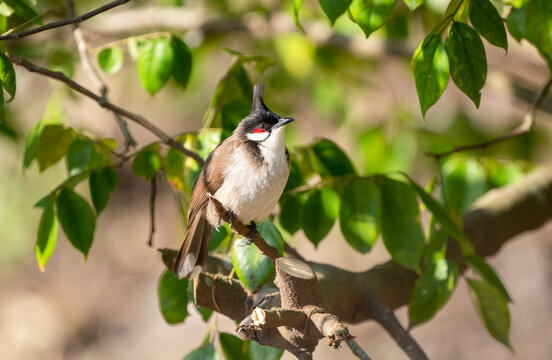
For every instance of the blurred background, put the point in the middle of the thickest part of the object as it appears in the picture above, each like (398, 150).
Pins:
(336, 84)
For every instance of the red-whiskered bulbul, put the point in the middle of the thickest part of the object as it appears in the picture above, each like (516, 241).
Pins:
(247, 173)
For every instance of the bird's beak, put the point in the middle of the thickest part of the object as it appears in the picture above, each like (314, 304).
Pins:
(282, 122)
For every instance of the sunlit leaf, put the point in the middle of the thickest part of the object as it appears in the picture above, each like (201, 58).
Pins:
(77, 220)
(432, 291)
(206, 352)
(233, 347)
(47, 232)
(430, 66)
(487, 21)
(413, 4)
(538, 22)
(82, 155)
(463, 182)
(155, 64)
(370, 15)
(319, 214)
(53, 144)
(111, 60)
(400, 224)
(252, 268)
(147, 162)
(173, 297)
(258, 351)
(359, 214)
(296, 6)
(7, 76)
(492, 308)
(468, 62)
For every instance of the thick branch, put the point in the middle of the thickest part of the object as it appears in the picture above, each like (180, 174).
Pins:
(71, 20)
(139, 119)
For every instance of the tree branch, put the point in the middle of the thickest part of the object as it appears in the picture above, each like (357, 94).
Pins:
(523, 128)
(93, 75)
(72, 20)
(139, 119)
(357, 350)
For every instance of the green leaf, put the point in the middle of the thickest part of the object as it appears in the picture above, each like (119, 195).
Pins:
(516, 24)
(331, 160)
(334, 8)
(46, 236)
(81, 156)
(258, 351)
(370, 15)
(463, 182)
(31, 144)
(538, 21)
(21, 8)
(291, 212)
(206, 352)
(436, 249)
(182, 64)
(102, 183)
(319, 214)
(468, 62)
(111, 60)
(516, 3)
(296, 6)
(432, 291)
(492, 308)
(400, 224)
(430, 66)
(487, 21)
(147, 162)
(252, 268)
(77, 219)
(53, 145)
(443, 217)
(295, 178)
(487, 273)
(504, 174)
(173, 297)
(155, 64)
(359, 214)
(7, 76)
(233, 347)
(413, 4)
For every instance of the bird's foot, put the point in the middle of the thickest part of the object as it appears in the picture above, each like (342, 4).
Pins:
(250, 238)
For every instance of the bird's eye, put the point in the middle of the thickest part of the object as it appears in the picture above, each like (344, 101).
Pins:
(259, 130)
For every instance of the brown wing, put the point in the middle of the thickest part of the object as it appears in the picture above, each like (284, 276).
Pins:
(211, 176)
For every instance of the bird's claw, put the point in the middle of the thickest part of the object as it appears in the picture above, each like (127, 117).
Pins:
(250, 238)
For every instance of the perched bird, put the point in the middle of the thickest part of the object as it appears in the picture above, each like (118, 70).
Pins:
(247, 173)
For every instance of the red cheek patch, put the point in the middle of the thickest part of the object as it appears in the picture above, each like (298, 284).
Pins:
(257, 131)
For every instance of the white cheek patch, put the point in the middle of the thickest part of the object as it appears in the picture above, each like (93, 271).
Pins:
(258, 136)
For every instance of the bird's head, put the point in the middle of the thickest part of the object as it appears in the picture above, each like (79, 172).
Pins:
(261, 123)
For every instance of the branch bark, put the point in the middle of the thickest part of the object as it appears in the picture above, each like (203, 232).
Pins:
(71, 20)
(139, 119)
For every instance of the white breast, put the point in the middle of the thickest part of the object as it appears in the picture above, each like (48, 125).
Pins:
(249, 190)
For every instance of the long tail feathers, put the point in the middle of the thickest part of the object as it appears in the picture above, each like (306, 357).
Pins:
(192, 255)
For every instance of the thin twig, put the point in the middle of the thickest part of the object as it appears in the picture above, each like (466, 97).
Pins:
(139, 119)
(92, 73)
(72, 20)
(357, 350)
(387, 319)
(153, 192)
(523, 128)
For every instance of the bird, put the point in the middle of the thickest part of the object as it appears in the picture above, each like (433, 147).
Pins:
(246, 173)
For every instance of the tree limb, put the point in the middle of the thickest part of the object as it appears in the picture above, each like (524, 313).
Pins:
(139, 119)
(71, 20)
(93, 75)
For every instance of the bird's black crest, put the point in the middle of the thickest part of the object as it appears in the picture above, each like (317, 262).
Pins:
(258, 104)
